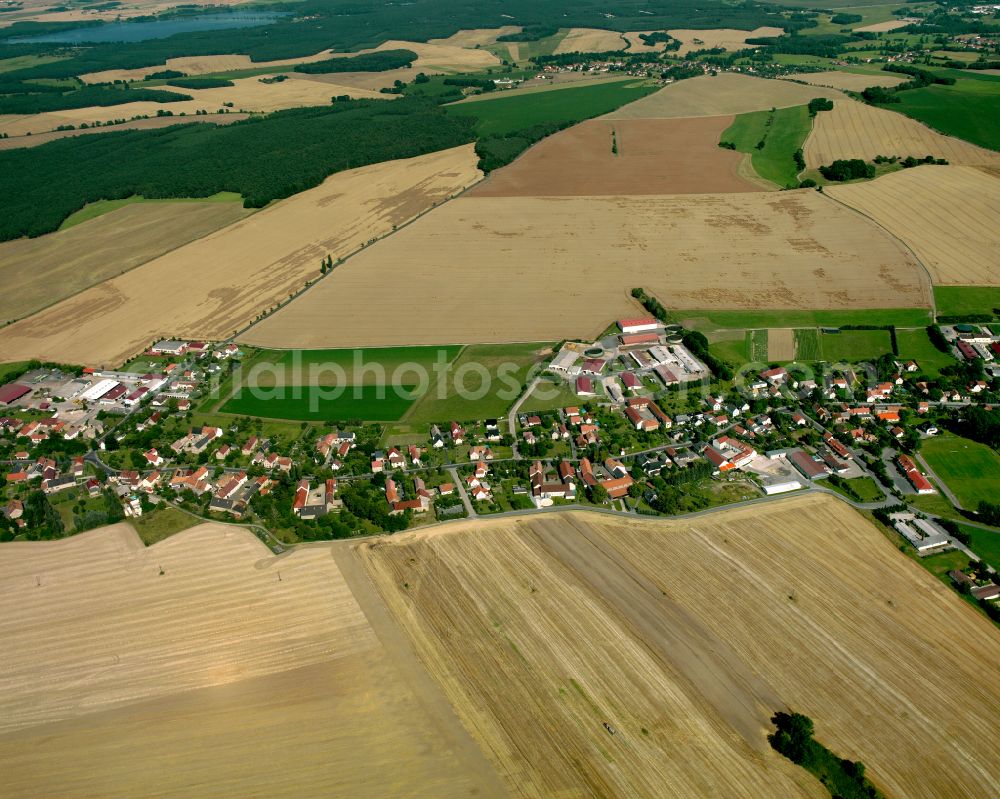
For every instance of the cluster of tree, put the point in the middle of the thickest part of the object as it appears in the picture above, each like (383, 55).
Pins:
(818, 104)
(824, 46)
(845, 19)
(205, 82)
(698, 345)
(484, 84)
(670, 44)
(42, 521)
(530, 33)
(379, 61)
(500, 149)
(262, 158)
(326, 264)
(46, 100)
(651, 304)
(848, 169)
(881, 95)
(110, 513)
(166, 74)
(568, 59)
(980, 425)
(274, 79)
(680, 72)
(793, 738)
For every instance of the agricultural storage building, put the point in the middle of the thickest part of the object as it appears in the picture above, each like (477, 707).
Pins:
(805, 464)
(12, 392)
(643, 325)
(98, 390)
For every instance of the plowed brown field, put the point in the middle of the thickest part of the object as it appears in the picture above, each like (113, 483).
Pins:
(654, 156)
(685, 636)
(206, 667)
(857, 130)
(486, 269)
(726, 93)
(215, 285)
(946, 214)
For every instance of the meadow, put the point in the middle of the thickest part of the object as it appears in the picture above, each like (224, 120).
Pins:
(746, 319)
(985, 543)
(970, 469)
(960, 300)
(855, 345)
(968, 109)
(316, 403)
(915, 345)
(361, 366)
(782, 132)
(502, 115)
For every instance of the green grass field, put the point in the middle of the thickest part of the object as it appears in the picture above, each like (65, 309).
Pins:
(807, 345)
(718, 320)
(14, 367)
(971, 470)
(552, 394)
(985, 543)
(939, 565)
(96, 209)
(27, 61)
(491, 376)
(504, 115)
(372, 403)
(161, 523)
(782, 131)
(968, 110)
(915, 345)
(731, 348)
(854, 345)
(959, 300)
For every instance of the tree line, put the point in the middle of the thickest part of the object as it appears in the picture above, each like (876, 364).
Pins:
(84, 97)
(380, 61)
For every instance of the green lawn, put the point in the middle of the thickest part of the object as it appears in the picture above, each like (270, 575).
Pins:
(552, 394)
(95, 209)
(368, 366)
(716, 320)
(311, 403)
(915, 345)
(733, 348)
(960, 300)
(504, 115)
(15, 367)
(985, 543)
(939, 565)
(161, 523)
(782, 132)
(867, 489)
(490, 376)
(971, 470)
(854, 345)
(968, 110)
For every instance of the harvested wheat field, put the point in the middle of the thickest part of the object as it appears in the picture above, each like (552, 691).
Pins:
(637, 45)
(42, 271)
(590, 40)
(246, 94)
(727, 38)
(857, 130)
(888, 25)
(219, 283)
(206, 667)
(686, 636)
(850, 81)
(477, 36)
(781, 344)
(625, 156)
(543, 269)
(12, 143)
(726, 93)
(946, 214)
(200, 65)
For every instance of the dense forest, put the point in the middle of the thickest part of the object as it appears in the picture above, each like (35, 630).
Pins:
(262, 158)
(353, 26)
(382, 61)
(198, 82)
(47, 100)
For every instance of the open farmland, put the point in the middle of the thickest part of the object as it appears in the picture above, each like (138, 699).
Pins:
(553, 268)
(970, 469)
(885, 27)
(590, 40)
(686, 636)
(219, 283)
(43, 271)
(726, 93)
(946, 214)
(206, 667)
(637, 45)
(727, 38)
(627, 156)
(477, 36)
(246, 94)
(857, 130)
(849, 81)
(13, 142)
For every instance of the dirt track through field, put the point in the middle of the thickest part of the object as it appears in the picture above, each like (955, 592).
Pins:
(721, 95)
(857, 130)
(624, 157)
(686, 636)
(543, 269)
(39, 272)
(946, 214)
(219, 283)
(231, 673)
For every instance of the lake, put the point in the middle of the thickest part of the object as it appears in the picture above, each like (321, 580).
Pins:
(155, 29)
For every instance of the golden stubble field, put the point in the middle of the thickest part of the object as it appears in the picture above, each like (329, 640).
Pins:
(42, 271)
(838, 79)
(590, 40)
(946, 214)
(686, 636)
(857, 130)
(721, 95)
(217, 284)
(727, 38)
(206, 667)
(489, 269)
